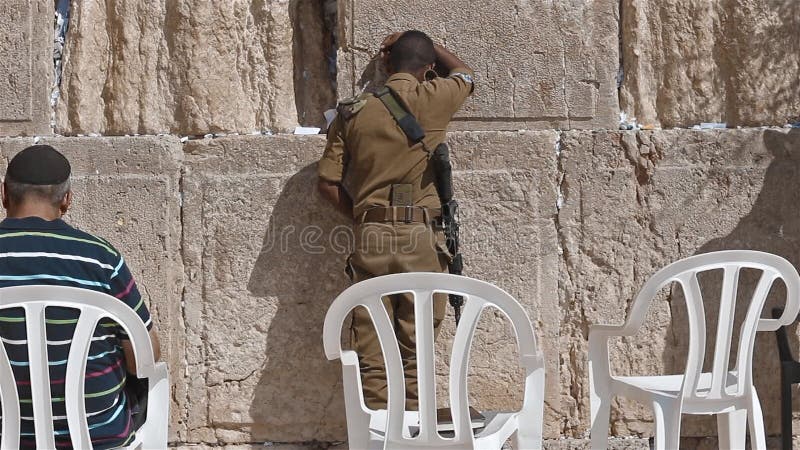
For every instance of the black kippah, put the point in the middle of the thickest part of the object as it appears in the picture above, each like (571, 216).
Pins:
(39, 165)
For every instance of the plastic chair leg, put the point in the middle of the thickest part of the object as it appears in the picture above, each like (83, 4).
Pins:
(732, 429)
(601, 416)
(786, 409)
(758, 438)
(668, 426)
(523, 438)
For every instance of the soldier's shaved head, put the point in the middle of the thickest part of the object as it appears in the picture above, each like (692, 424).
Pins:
(412, 52)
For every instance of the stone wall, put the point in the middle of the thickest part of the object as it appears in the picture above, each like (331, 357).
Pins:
(230, 241)
(542, 64)
(692, 61)
(26, 70)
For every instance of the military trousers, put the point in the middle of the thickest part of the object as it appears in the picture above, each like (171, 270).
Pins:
(382, 249)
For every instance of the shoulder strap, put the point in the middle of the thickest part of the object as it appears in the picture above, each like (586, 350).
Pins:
(407, 122)
(350, 107)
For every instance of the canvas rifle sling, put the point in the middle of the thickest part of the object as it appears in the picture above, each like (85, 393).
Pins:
(407, 122)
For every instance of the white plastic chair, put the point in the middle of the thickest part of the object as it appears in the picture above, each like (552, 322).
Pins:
(93, 306)
(728, 394)
(390, 429)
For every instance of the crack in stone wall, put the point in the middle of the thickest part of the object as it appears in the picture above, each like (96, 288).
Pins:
(61, 29)
(315, 69)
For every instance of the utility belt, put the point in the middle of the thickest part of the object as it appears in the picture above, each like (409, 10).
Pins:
(401, 214)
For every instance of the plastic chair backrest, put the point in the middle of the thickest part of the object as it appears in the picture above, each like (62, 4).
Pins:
(93, 306)
(684, 272)
(478, 296)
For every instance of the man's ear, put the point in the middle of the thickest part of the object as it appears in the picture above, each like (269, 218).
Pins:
(66, 202)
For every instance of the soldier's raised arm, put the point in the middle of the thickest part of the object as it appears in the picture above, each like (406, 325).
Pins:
(447, 61)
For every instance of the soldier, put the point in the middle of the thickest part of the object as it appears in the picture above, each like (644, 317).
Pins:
(376, 169)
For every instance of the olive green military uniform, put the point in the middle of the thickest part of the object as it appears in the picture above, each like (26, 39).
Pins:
(369, 154)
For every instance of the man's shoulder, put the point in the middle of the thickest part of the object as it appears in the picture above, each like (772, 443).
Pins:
(79, 233)
(350, 107)
(372, 116)
(90, 242)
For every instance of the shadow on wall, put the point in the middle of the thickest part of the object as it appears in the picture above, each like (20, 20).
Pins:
(773, 226)
(314, 49)
(299, 394)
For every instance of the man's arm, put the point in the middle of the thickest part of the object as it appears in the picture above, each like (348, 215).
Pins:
(336, 195)
(446, 61)
(443, 96)
(331, 170)
(130, 358)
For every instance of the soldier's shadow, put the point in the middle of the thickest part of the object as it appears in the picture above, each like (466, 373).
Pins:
(299, 393)
(773, 226)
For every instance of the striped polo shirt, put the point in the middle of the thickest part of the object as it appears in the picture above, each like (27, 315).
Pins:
(40, 252)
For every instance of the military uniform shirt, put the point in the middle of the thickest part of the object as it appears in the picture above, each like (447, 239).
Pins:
(369, 152)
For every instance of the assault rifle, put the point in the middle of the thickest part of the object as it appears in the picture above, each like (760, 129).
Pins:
(444, 187)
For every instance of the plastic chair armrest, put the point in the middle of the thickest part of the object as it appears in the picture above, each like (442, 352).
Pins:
(160, 371)
(349, 358)
(598, 348)
(769, 324)
(784, 349)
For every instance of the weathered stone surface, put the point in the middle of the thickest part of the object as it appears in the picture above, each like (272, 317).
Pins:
(692, 61)
(634, 203)
(712, 443)
(539, 64)
(185, 67)
(548, 444)
(581, 444)
(258, 291)
(126, 190)
(314, 50)
(506, 184)
(262, 272)
(266, 445)
(26, 67)
(631, 204)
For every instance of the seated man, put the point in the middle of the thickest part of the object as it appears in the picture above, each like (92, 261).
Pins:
(38, 247)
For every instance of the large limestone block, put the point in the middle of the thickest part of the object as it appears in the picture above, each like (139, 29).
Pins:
(692, 61)
(506, 185)
(264, 258)
(539, 64)
(26, 67)
(259, 289)
(314, 52)
(635, 202)
(126, 191)
(182, 67)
